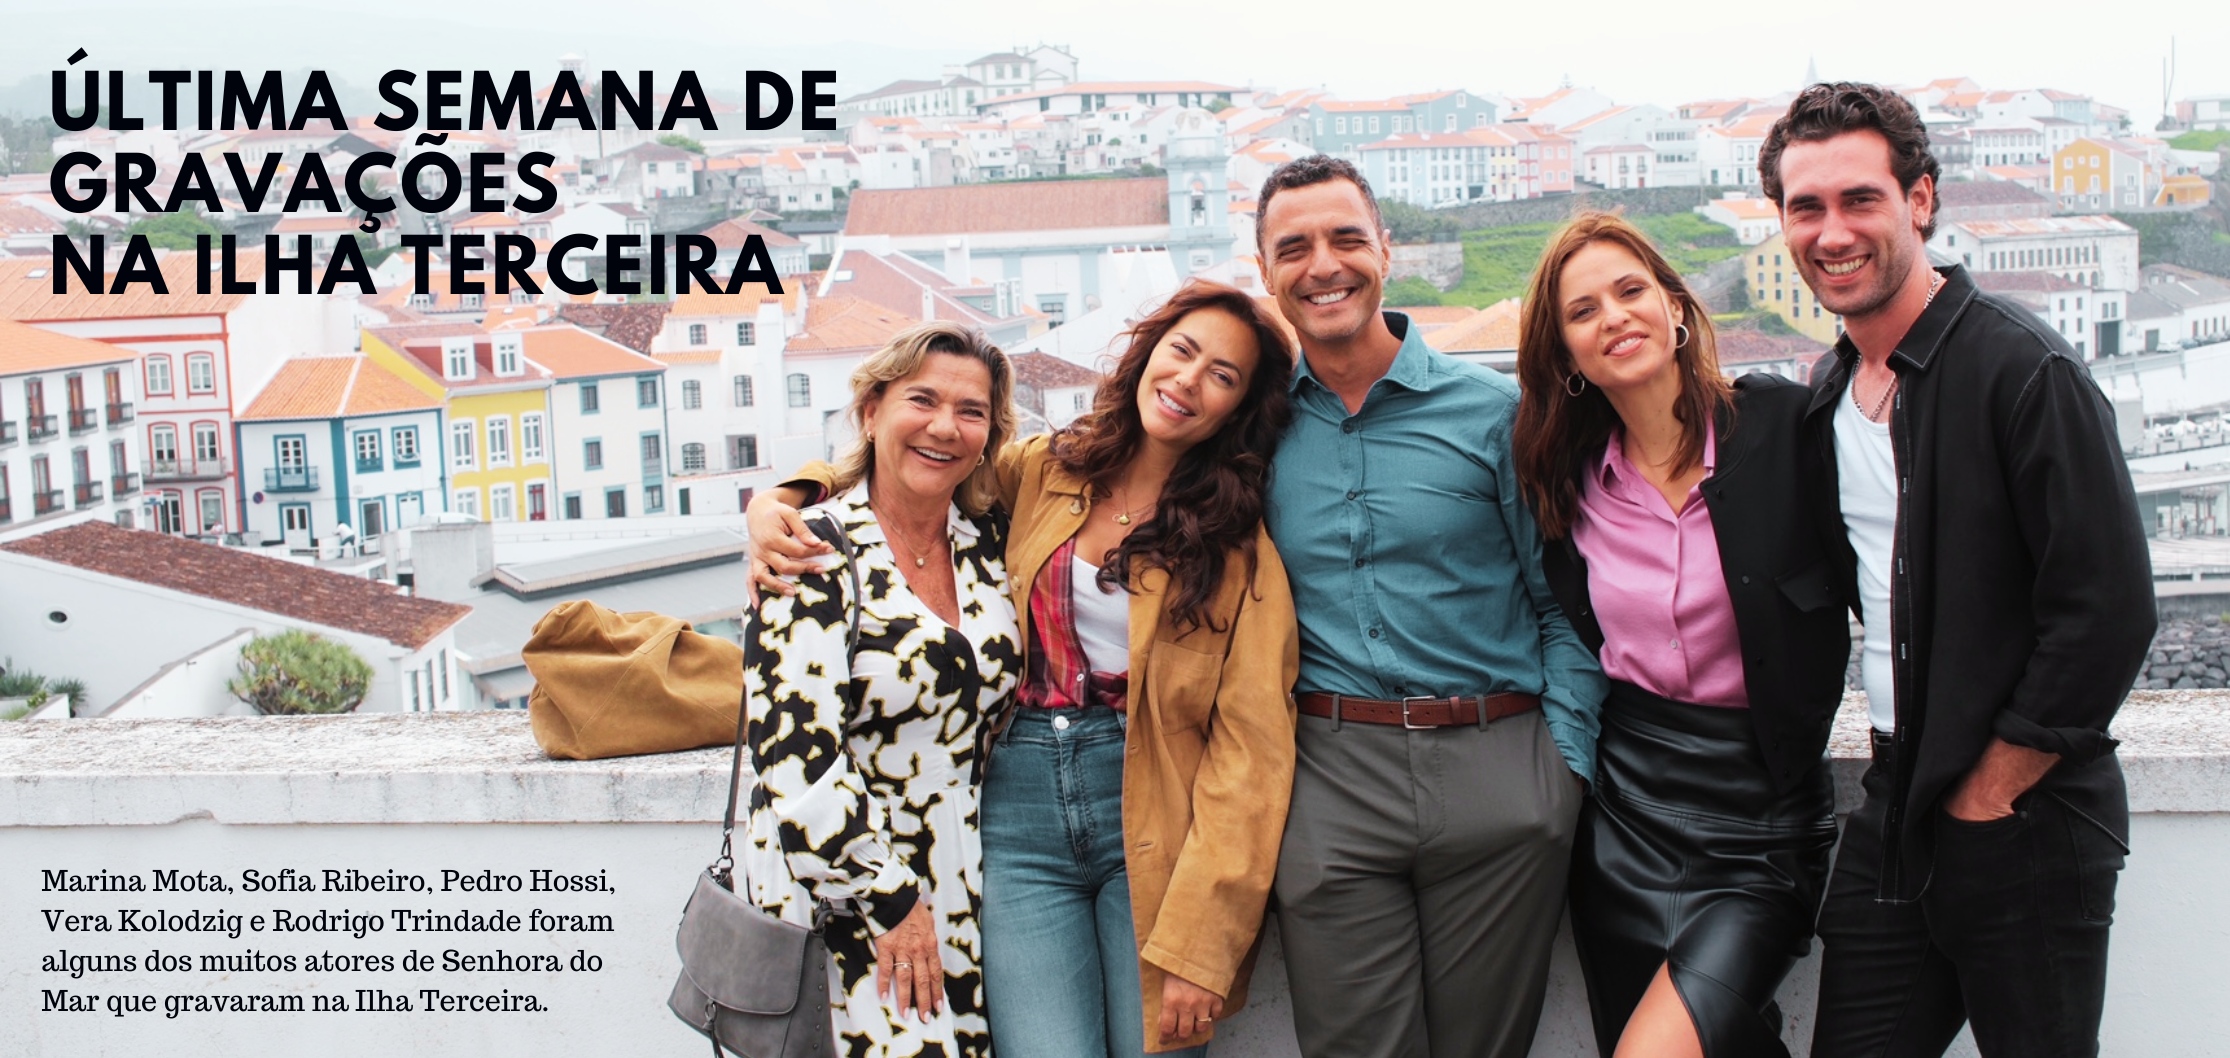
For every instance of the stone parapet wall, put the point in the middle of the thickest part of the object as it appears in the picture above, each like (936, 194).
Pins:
(471, 793)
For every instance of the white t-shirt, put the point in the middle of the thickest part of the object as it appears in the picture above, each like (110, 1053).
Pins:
(1102, 619)
(1866, 484)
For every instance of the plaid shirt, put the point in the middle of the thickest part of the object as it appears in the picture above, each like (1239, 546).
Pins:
(1060, 677)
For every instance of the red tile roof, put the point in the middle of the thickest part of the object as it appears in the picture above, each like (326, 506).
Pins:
(328, 387)
(1029, 206)
(570, 352)
(1044, 371)
(731, 233)
(835, 324)
(633, 325)
(1748, 345)
(27, 297)
(25, 349)
(242, 578)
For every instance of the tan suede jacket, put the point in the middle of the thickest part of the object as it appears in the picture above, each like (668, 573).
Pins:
(1208, 771)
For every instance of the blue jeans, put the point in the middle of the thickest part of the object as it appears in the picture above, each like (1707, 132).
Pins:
(1060, 960)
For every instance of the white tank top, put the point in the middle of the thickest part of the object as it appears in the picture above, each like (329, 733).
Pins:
(1102, 619)
(1866, 485)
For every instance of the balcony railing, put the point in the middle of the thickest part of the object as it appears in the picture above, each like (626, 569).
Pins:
(88, 494)
(84, 420)
(48, 502)
(120, 413)
(122, 485)
(39, 427)
(185, 469)
(290, 479)
(7, 432)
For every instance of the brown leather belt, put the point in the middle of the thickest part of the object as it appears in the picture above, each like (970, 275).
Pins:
(1417, 713)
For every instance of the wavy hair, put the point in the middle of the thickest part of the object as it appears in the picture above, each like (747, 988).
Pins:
(899, 360)
(1557, 434)
(1212, 503)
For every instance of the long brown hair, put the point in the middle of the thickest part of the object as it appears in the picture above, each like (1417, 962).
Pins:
(903, 356)
(1212, 503)
(1558, 434)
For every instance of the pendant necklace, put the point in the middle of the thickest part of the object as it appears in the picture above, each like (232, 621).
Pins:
(1123, 511)
(1874, 414)
(921, 554)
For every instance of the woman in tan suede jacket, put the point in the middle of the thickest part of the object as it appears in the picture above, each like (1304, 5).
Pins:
(1193, 736)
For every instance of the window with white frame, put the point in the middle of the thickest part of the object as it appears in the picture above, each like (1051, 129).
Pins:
(465, 502)
(456, 358)
(510, 354)
(801, 391)
(461, 448)
(743, 391)
(692, 457)
(696, 334)
(201, 373)
(406, 444)
(158, 376)
(205, 442)
(367, 450)
(162, 443)
(530, 437)
(692, 394)
(747, 334)
(499, 440)
(502, 503)
(212, 511)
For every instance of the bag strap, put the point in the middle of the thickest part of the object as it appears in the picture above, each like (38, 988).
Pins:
(825, 527)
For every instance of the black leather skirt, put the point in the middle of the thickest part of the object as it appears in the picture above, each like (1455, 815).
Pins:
(1686, 855)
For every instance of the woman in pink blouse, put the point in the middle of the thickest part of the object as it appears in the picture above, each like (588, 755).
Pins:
(1681, 546)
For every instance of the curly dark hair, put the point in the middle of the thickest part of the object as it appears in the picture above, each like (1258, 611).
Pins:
(1212, 503)
(1304, 172)
(1825, 111)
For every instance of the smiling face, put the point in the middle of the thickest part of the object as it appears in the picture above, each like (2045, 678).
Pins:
(1855, 235)
(1195, 378)
(1326, 260)
(1618, 323)
(929, 429)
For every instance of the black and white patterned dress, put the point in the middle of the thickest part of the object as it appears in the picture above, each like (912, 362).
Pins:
(866, 770)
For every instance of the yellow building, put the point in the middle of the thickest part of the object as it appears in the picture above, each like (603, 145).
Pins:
(2103, 175)
(496, 437)
(1774, 284)
(2186, 190)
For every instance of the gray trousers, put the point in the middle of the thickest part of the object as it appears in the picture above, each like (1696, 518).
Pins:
(1420, 884)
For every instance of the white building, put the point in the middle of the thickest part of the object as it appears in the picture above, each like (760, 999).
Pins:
(726, 379)
(2177, 306)
(340, 440)
(2096, 251)
(2071, 310)
(608, 406)
(67, 443)
(116, 607)
(1754, 220)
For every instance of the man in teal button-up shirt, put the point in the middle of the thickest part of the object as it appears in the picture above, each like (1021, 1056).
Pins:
(1423, 869)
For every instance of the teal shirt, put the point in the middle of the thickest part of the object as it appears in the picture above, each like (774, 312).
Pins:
(1416, 567)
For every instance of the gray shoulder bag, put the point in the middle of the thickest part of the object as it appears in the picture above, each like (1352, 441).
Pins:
(754, 984)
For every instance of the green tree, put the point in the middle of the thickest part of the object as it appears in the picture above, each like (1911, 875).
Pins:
(1411, 291)
(172, 231)
(1412, 224)
(297, 673)
(675, 139)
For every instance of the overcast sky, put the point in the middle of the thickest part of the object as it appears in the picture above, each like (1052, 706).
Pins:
(1658, 51)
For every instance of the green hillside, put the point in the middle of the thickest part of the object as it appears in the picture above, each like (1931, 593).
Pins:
(1497, 262)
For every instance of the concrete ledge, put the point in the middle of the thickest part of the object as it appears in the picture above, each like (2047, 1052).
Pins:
(473, 792)
(485, 768)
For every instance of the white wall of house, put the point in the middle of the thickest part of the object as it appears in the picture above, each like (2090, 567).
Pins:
(404, 489)
(104, 466)
(617, 427)
(116, 633)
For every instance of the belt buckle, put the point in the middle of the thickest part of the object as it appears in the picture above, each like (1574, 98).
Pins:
(1407, 702)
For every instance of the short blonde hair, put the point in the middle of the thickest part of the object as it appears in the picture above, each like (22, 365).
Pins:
(901, 359)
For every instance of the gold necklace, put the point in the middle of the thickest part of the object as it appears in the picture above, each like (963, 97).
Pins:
(1123, 510)
(890, 529)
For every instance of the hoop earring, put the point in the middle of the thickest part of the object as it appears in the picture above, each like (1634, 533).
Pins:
(1576, 384)
(979, 461)
(1681, 334)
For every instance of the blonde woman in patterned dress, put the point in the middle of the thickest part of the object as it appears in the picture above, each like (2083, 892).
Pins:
(866, 796)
